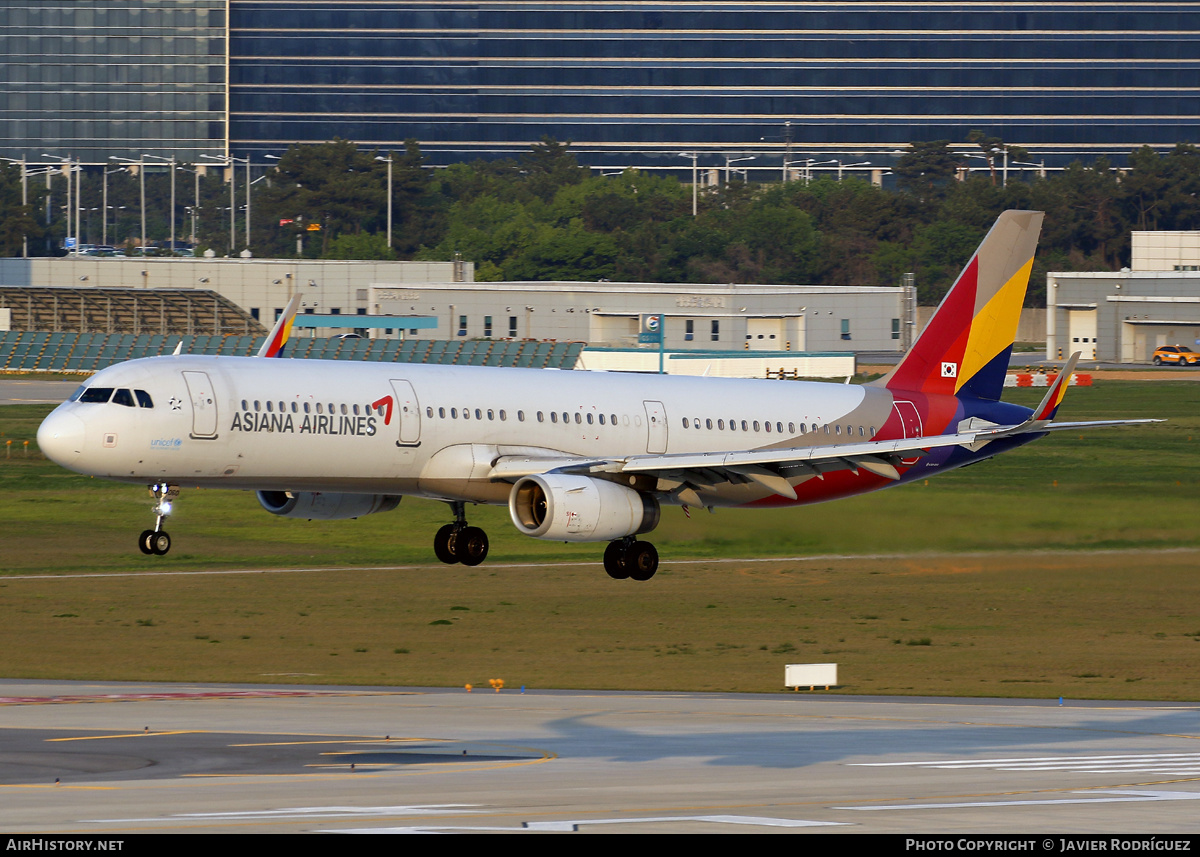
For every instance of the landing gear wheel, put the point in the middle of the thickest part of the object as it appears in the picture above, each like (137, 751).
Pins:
(616, 560)
(471, 546)
(445, 544)
(642, 560)
(159, 543)
(144, 542)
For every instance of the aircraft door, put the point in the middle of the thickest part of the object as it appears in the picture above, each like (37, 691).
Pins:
(910, 422)
(204, 405)
(408, 413)
(656, 427)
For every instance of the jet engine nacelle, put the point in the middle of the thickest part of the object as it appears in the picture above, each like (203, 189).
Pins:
(565, 508)
(319, 506)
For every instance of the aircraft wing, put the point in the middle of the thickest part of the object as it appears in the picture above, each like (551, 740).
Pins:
(772, 468)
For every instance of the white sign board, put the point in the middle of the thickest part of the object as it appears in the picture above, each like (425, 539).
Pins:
(810, 675)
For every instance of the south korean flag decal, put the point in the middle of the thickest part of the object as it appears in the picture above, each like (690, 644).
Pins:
(949, 370)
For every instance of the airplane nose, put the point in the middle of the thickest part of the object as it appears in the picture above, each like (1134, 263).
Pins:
(60, 438)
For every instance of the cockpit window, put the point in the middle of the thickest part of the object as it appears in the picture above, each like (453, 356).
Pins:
(123, 397)
(96, 395)
(78, 392)
(143, 399)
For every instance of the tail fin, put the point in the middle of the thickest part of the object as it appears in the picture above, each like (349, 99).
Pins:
(278, 337)
(965, 348)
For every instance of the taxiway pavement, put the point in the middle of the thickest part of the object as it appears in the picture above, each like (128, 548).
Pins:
(188, 758)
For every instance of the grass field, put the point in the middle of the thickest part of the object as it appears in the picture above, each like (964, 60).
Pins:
(954, 602)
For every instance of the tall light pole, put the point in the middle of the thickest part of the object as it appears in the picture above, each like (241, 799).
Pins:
(141, 165)
(69, 167)
(694, 156)
(171, 161)
(729, 160)
(842, 166)
(24, 200)
(389, 160)
(229, 164)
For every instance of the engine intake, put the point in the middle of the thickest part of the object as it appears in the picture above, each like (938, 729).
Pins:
(319, 506)
(559, 507)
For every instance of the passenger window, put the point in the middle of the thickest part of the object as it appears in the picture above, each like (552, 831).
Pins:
(685, 423)
(295, 409)
(257, 405)
(721, 425)
(441, 413)
(578, 418)
(123, 397)
(320, 407)
(768, 426)
(602, 419)
(270, 406)
(245, 405)
(307, 408)
(745, 427)
(520, 416)
(589, 419)
(454, 413)
(343, 410)
(428, 411)
(478, 414)
(708, 424)
(541, 417)
(491, 414)
(756, 425)
(554, 416)
(143, 399)
(503, 415)
(791, 428)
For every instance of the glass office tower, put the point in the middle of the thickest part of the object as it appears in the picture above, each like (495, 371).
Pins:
(640, 83)
(89, 79)
(630, 83)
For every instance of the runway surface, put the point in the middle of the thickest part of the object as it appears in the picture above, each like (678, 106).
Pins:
(34, 391)
(213, 758)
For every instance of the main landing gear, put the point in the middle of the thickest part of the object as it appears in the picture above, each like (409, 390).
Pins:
(459, 542)
(629, 558)
(157, 541)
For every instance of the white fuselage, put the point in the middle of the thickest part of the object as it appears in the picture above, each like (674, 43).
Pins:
(436, 431)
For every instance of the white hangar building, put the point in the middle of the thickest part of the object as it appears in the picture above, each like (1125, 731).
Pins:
(1122, 316)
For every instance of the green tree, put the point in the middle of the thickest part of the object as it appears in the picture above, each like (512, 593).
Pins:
(18, 223)
(926, 166)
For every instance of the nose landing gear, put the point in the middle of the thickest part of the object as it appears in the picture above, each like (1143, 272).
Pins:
(157, 541)
(459, 542)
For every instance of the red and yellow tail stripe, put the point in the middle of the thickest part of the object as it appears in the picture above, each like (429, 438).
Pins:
(965, 348)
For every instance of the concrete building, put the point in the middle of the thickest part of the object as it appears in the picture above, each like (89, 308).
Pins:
(444, 298)
(1122, 316)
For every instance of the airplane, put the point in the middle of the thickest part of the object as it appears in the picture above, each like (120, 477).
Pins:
(576, 456)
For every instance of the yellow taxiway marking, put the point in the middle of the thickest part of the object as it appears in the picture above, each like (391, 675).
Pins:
(370, 741)
(133, 735)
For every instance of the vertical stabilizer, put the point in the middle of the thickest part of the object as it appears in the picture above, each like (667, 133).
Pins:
(965, 348)
(279, 334)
